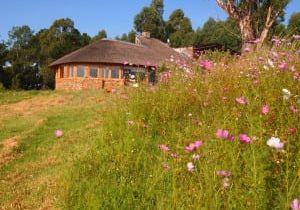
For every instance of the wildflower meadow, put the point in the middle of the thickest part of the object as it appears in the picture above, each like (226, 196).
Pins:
(220, 134)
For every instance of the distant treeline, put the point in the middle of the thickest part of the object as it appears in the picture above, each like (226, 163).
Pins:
(25, 56)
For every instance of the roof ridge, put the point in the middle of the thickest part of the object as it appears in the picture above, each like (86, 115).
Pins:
(123, 42)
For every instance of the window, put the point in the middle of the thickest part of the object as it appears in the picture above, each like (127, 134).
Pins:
(115, 72)
(71, 71)
(61, 72)
(80, 71)
(93, 71)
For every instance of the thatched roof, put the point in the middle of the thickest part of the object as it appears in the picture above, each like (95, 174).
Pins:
(147, 52)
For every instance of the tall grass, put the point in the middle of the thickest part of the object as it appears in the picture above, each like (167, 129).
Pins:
(128, 170)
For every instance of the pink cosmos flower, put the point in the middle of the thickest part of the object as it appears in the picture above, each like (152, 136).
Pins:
(223, 173)
(295, 204)
(193, 146)
(274, 54)
(245, 139)
(58, 133)
(174, 155)
(190, 166)
(247, 49)
(241, 100)
(293, 109)
(226, 182)
(206, 64)
(163, 147)
(283, 66)
(265, 109)
(293, 130)
(224, 134)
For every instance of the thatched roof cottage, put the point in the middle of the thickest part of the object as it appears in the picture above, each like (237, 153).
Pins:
(112, 62)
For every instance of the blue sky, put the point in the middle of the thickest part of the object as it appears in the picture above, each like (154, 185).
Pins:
(90, 16)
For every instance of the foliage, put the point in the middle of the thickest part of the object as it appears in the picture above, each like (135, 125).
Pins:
(30, 54)
(254, 18)
(101, 34)
(224, 33)
(294, 24)
(149, 20)
(130, 37)
(179, 29)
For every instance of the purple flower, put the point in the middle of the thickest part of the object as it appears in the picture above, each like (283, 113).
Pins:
(245, 139)
(295, 204)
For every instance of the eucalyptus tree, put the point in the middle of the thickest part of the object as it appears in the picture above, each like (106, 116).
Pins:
(254, 17)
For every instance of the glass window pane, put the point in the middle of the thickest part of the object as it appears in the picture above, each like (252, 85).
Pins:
(80, 71)
(115, 73)
(93, 71)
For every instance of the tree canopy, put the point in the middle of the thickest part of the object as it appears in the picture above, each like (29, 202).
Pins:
(254, 18)
(294, 24)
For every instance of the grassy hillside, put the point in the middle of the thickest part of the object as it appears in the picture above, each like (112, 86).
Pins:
(197, 140)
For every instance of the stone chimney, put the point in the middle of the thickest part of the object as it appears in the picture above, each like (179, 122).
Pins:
(146, 34)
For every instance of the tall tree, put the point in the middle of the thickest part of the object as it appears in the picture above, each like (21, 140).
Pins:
(151, 19)
(4, 80)
(294, 24)
(101, 35)
(24, 71)
(61, 38)
(247, 12)
(224, 33)
(179, 28)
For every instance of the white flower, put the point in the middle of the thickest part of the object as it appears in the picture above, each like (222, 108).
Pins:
(286, 94)
(271, 64)
(275, 143)
(190, 166)
(196, 157)
(266, 67)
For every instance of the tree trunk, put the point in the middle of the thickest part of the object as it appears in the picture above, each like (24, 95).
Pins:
(263, 37)
(247, 32)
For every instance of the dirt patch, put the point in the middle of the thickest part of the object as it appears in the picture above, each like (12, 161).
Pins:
(6, 149)
(31, 106)
(7, 146)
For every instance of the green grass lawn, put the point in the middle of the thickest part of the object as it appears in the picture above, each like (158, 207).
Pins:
(34, 177)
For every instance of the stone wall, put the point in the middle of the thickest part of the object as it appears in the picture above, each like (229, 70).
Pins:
(86, 83)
